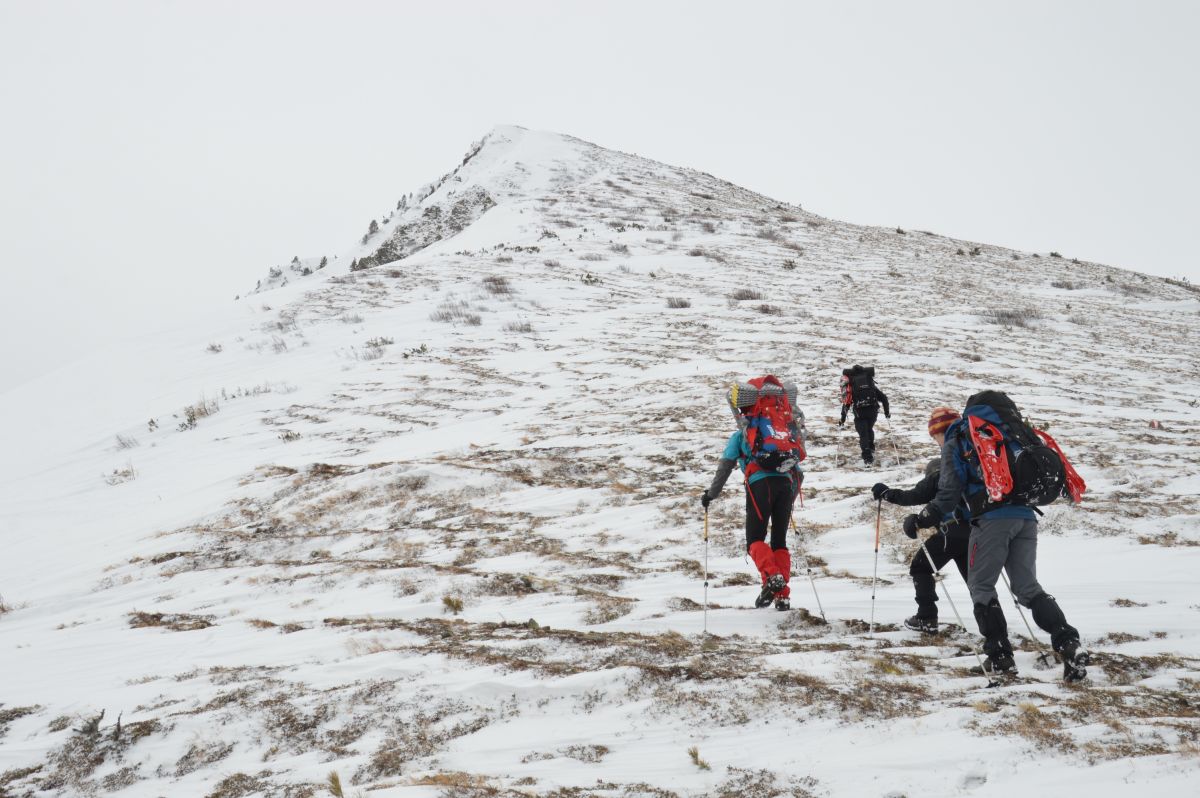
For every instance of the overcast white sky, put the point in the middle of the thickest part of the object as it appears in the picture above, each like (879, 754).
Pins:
(157, 157)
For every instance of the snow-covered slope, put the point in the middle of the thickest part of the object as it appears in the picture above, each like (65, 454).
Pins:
(433, 524)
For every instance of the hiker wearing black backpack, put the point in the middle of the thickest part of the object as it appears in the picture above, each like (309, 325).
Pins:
(948, 544)
(860, 393)
(1002, 469)
(768, 447)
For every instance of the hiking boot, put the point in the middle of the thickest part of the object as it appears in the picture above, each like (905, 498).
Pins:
(1073, 660)
(919, 624)
(783, 605)
(774, 584)
(1000, 664)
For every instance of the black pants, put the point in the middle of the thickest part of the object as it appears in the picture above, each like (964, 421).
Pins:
(769, 500)
(864, 424)
(942, 548)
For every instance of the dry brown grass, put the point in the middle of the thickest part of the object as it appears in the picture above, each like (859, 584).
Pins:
(10, 714)
(174, 621)
(607, 608)
(71, 767)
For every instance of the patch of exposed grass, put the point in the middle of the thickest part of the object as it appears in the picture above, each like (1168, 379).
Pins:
(497, 285)
(456, 313)
(10, 714)
(175, 621)
(1013, 316)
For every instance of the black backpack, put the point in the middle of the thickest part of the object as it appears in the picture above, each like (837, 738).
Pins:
(1031, 472)
(860, 380)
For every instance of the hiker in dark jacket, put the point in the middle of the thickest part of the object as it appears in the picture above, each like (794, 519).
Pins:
(950, 541)
(860, 393)
(769, 499)
(1003, 537)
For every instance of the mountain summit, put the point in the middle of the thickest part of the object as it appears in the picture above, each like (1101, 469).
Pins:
(428, 517)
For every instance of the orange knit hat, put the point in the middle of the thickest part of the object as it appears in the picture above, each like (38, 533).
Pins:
(941, 418)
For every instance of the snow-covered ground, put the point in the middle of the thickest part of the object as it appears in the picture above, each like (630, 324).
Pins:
(433, 525)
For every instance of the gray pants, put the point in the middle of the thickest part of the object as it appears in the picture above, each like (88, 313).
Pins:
(1008, 543)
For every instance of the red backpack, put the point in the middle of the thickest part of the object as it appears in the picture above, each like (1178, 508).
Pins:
(772, 435)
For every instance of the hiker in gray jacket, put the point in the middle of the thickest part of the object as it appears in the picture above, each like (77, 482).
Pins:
(1003, 536)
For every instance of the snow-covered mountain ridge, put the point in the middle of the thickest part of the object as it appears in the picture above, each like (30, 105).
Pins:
(433, 523)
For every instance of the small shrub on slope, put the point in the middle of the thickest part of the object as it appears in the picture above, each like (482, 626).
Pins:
(455, 313)
(193, 413)
(495, 284)
(743, 294)
(694, 753)
(1013, 317)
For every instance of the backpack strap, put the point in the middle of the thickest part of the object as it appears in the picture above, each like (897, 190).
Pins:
(750, 493)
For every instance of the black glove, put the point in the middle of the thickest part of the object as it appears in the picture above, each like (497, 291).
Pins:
(705, 499)
(887, 413)
(842, 423)
(910, 526)
(929, 516)
(879, 491)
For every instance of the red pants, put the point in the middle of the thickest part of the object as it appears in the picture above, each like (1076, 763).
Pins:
(769, 501)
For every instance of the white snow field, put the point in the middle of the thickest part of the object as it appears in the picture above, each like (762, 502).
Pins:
(433, 525)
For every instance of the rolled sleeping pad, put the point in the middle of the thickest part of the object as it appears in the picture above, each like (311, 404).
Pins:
(743, 394)
(868, 370)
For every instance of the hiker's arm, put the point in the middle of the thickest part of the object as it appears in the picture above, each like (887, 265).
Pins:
(845, 409)
(883, 399)
(724, 469)
(733, 448)
(949, 490)
(921, 493)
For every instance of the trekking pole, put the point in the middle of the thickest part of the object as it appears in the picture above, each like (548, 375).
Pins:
(938, 576)
(808, 570)
(705, 571)
(1043, 655)
(875, 575)
(837, 460)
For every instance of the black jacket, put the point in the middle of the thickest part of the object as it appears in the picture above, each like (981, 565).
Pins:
(869, 404)
(923, 493)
